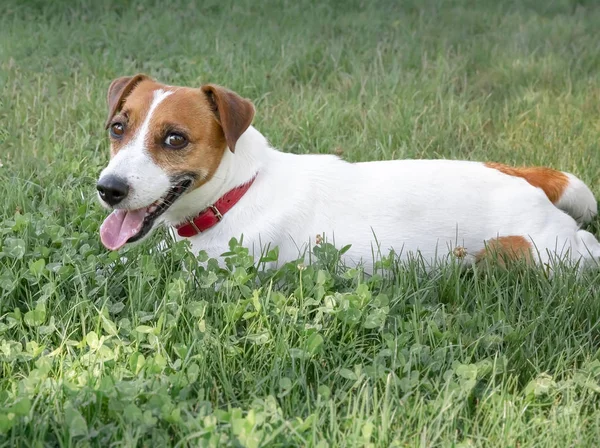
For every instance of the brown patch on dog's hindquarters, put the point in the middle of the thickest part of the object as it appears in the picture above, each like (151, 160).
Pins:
(505, 249)
(552, 182)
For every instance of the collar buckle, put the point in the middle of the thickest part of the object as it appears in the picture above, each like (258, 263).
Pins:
(216, 211)
(192, 223)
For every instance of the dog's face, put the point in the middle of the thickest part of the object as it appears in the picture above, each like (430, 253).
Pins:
(165, 142)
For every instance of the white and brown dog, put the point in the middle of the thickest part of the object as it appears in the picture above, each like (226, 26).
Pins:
(189, 158)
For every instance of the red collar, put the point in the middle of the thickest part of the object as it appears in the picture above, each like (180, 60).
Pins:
(212, 214)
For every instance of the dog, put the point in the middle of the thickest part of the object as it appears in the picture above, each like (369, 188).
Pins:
(189, 158)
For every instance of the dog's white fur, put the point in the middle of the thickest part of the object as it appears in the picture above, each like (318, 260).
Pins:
(410, 206)
(429, 206)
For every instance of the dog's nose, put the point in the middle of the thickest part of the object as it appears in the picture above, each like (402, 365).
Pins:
(112, 189)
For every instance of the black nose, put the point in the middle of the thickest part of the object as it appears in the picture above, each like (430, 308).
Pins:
(112, 189)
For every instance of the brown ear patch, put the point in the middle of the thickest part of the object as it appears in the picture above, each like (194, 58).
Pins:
(505, 249)
(118, 91)
(553, 182)
(233, 112)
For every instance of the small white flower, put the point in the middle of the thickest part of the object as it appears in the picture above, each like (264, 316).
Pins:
(460, 252)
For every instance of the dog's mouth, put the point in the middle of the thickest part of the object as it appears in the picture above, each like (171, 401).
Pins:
(127, 226)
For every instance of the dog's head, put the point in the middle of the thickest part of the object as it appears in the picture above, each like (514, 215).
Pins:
(165, 141)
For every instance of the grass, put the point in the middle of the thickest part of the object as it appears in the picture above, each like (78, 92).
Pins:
(99, 351)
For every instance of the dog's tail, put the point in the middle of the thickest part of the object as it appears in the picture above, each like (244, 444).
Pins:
(566, 191)
(577, 200)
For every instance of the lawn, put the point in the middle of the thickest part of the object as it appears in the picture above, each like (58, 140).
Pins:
(98, 350)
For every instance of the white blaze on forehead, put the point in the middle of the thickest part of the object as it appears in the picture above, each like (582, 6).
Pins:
(140, 138)
(147, 180)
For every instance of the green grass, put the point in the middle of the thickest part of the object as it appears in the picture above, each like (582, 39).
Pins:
(97, 351)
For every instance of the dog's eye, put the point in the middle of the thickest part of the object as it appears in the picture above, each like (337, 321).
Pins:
(117, 130)
(175, 141)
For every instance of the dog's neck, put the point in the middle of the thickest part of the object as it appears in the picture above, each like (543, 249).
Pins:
(235, 169)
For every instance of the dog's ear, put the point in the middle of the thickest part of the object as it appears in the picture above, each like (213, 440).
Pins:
(233, 112)
(118, 91)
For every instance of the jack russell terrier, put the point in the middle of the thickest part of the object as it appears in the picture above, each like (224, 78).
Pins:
(189, 158)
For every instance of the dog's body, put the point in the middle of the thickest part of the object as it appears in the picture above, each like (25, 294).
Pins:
(430, 207)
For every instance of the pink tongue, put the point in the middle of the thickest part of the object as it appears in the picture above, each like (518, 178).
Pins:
(120, 226)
